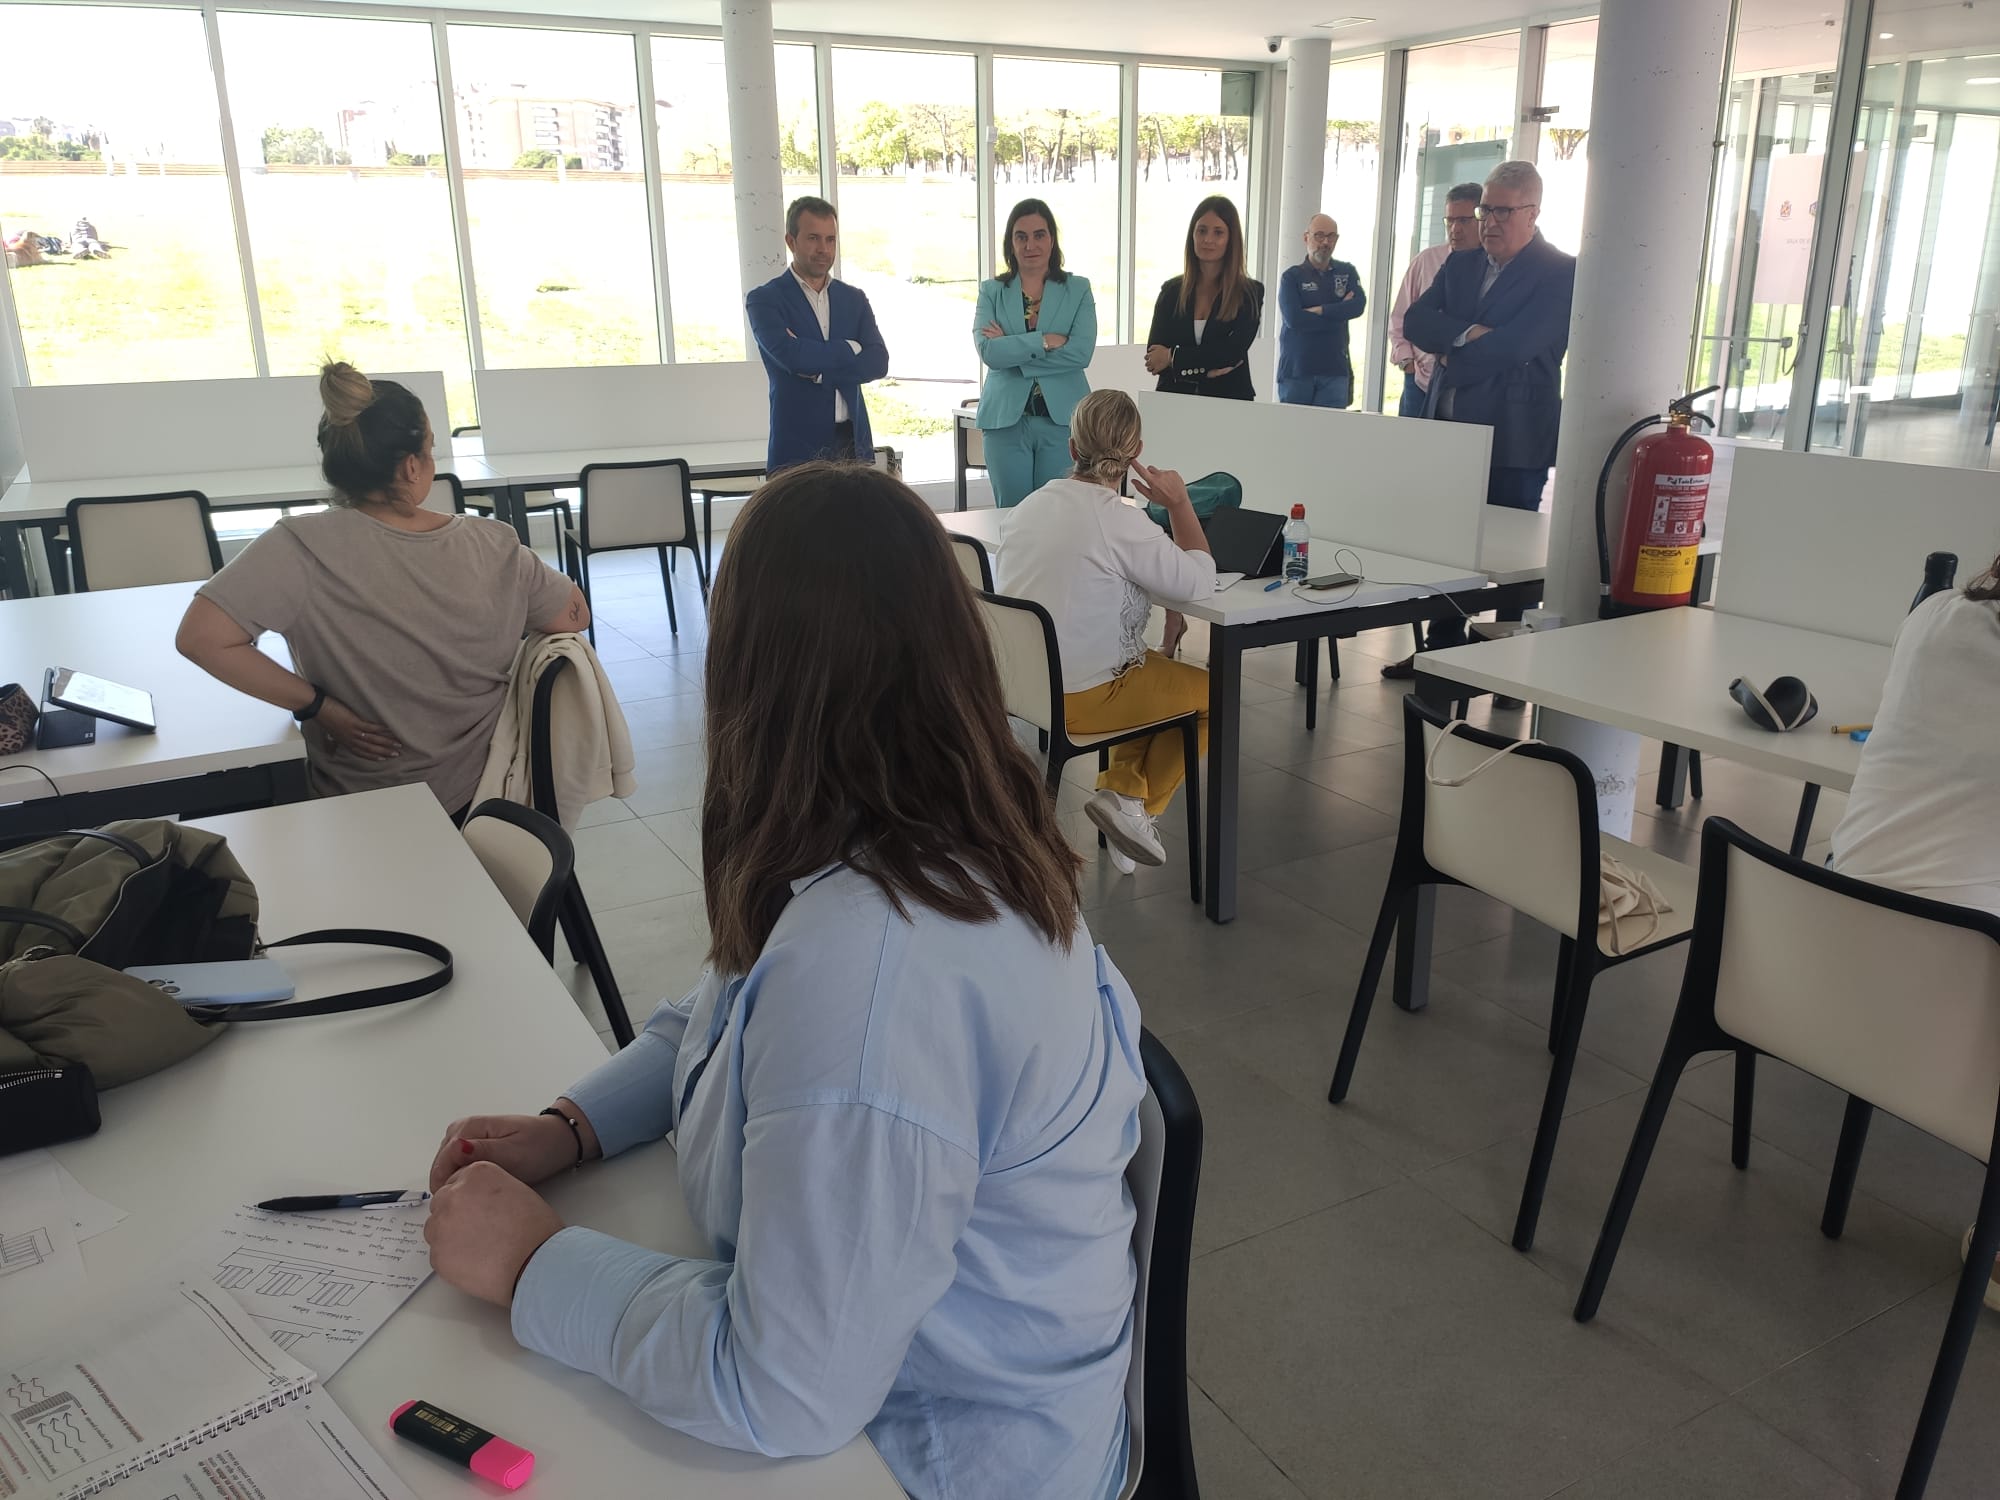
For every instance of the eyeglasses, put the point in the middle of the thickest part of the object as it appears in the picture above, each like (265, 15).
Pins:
(1458, 218)
(1502, 212)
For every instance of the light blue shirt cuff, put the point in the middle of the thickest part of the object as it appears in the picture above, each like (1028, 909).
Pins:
(629, 1099)
(573, 1294)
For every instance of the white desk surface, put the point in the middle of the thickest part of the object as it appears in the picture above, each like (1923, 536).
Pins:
(362, 1100)
(127, 636)
(1248, 602)
(563, 465)
(29, 499)
(1667, 675)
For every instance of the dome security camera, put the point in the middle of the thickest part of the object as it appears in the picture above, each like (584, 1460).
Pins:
(1273, 43)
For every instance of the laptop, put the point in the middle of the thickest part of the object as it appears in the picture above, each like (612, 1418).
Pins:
(1249, 543)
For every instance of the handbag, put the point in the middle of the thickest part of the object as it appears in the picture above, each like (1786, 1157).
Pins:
(18, 714)
(1621, 890)
(1208, 494)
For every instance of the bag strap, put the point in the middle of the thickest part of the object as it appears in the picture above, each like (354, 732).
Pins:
(26, 917)
(1450, 731)
(328, 1005)
(76, 937)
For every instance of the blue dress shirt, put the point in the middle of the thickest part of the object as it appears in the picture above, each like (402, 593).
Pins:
(905, 1139)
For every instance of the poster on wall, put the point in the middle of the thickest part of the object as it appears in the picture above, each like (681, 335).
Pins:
(1784, 248)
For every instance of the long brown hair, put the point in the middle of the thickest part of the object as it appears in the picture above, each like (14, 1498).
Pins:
(855, 713)
(1229, 293)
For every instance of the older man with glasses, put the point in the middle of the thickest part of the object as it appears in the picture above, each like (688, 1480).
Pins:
(1497, 319)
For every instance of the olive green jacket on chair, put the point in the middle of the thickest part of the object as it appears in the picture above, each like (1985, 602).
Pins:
(1016, 362)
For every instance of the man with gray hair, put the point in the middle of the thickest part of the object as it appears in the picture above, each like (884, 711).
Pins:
(1497, 320)
(1461, 232)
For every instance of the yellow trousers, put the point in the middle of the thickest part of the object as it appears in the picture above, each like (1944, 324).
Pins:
(1150, 769)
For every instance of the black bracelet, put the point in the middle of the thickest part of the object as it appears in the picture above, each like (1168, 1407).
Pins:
(574, 1129)
(311, 710)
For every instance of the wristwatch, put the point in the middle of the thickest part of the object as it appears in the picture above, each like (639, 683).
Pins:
(311, 710)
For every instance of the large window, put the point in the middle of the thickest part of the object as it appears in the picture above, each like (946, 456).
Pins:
(909, 236)
(1193, 140)
(555, 195)
(344, 185)
(1056, 139)
(1458, 125)
(1568, 72)
(691, 101)
(109, 116)
(1353, 178)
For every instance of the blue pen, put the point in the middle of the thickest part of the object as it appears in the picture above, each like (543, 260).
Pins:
(1275, 583)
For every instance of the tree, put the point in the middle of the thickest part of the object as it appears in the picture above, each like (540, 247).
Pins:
(1567, 139)
(881, 141)
(300, 146)
(950, 126)
(44, 126)
(792, 157)
(541, 159)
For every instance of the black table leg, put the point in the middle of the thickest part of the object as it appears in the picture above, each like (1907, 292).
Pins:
(958, 467)
(1672, 789)
(1225, 727)
(707, 535)
(510, 504)
(1412, 989)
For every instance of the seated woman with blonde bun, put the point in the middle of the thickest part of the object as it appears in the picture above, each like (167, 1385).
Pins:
(402, 623)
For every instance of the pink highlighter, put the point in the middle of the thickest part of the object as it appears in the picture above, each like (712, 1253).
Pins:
(455, 1438)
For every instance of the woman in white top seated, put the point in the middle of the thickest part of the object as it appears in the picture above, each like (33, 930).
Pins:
(402, 623)
(1922, 816)
(904, 1098)
(1097, 565)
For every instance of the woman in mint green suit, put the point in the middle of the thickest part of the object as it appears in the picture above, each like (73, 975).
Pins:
(1035, 331)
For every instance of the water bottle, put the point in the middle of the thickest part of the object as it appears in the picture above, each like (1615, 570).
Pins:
(1940, 570)
(1297, 540)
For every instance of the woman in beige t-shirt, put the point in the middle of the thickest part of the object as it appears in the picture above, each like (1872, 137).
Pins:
(402, 623)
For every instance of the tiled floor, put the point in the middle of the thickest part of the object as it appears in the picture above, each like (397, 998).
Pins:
(1359, 1325)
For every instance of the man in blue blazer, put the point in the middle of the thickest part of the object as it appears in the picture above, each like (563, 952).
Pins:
(1497, 318)
(820, 345)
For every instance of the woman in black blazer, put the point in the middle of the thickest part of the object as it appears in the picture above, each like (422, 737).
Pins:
(1205, 319)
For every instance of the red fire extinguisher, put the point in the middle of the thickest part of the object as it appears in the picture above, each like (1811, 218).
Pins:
(1665, 501)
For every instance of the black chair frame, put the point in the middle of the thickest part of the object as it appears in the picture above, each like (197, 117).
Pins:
(79, 567)
(1578, 961)
(578, 927)
(562, 864)
(458, 502)
(1696, 1030)
(1062, 750)
(580, 547)
(1169, 1472)
(974, 545)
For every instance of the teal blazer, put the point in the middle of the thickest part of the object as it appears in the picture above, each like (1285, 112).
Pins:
(1015, 362)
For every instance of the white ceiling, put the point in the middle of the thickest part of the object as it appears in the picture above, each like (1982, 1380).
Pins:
(1183, 28)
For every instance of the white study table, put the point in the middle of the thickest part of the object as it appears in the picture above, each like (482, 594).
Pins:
(362, 1100)
(1245, 616)
(215, 747)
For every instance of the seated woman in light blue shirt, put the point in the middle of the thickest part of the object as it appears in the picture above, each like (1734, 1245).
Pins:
(1035, 330)
(905, 1095)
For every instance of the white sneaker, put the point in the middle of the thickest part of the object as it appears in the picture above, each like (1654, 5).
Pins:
(1124, 824)
(1119, 862)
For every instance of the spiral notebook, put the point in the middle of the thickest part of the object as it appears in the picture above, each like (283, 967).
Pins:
(188, 1366)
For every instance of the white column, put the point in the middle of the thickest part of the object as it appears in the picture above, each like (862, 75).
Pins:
(1652, 135)
(750, 67)
(1303, 170)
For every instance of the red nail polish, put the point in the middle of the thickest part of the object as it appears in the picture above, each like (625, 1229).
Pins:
(465, 1146)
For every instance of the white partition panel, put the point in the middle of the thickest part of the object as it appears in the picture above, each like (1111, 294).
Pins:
(622, 406)
(1120, 367)
(189, 426)
(1837, 544)
(1416, 489)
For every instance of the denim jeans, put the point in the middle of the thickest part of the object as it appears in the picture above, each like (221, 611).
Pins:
(1317, 390)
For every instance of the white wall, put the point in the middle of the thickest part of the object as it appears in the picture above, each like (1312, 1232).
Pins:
(11, 375)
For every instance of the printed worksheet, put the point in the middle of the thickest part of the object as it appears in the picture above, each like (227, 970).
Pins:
(319, 1283)
(307, 1451)
(41, 1270)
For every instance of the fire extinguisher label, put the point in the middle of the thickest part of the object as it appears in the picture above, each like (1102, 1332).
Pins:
(1665, 564)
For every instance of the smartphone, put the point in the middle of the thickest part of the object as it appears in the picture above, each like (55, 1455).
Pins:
(251, 981)
(1331, 581)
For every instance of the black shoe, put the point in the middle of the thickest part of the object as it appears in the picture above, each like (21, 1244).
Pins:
(1401, 671)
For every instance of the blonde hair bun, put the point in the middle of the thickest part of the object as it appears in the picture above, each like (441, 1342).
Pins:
(345, 393)
(1104, 429)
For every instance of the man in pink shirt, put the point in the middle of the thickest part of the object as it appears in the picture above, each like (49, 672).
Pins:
(1461, 232)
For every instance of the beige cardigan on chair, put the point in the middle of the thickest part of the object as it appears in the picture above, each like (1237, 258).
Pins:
(591, 749)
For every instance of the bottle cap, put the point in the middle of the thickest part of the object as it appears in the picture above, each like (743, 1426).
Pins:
(1298, 512)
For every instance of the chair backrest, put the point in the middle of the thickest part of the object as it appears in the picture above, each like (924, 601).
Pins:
(1024, 649)
(1524, 830)
(447, 496)
(888, 460)
(1164, 1176)
(126, 541)
(973, 562)
(1891, 997)
(636, 505)
(975, 448)
(541, 743)
(529, 858)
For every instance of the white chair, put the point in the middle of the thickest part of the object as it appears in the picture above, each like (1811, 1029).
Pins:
(554, 502)
(1891, 997)
(128, 541)
(446, 497)
(649, 504)
(1524, 831)
(1024, 649)
(1164, 1176)
(529, 858)
(973, 562)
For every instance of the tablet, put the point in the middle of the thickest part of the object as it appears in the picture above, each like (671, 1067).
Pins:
(132, 707)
